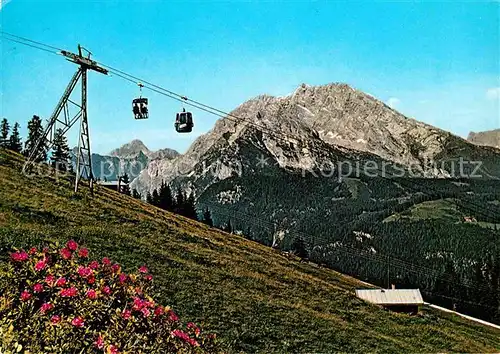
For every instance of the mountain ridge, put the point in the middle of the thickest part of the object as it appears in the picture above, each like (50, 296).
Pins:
(485, 138)
(131, 158)
(339, 115)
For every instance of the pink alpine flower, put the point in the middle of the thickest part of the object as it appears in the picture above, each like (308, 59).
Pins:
(106, 261)
(83, 252)
(78, 322)
(61, 282)
(143, 269)
(19, 256)
(126, 314)
(138, 304)
(38, 288)
(45, 250)
(65, 253)
(91, 294)
(172, 316)
(99, 343)
(195, 328)
(145, 312)
(180, 334)
(159, 311)
(148, 277)
(185, 337)
(106, 290)
(69, 292)
(40, 265)
(72, 245)
(94, 265)
(91, 279)
(32, 251)
(84, 272)
(25, 295)
(112, 349)
(122, 278)
(49, 280)
(55, 319)
(46, 307)
(115, 268)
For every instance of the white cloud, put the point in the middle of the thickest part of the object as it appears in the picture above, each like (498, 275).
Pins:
(493, 93)
(393, 102)
(3, 3)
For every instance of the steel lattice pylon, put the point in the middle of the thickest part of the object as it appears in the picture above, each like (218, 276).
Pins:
(63, 119)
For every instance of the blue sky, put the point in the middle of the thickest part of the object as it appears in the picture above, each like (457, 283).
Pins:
(438, 62)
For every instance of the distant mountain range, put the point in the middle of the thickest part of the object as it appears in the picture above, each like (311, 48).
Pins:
(131, 158)
(487, 138)
(313, 127)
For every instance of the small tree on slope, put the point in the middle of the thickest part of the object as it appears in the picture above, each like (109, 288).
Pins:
(4, 133)
(15, 143)
(207, 218)
(60, 158)
(125, 188)
(35, 132)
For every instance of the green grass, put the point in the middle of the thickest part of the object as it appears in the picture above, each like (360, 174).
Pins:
(441, 209)
(253, 298)
(436, 209)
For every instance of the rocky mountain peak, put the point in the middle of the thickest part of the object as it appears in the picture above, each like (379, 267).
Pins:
(131, 149)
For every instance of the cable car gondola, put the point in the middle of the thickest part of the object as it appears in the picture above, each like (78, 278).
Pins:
(140, 106)
(184, 122)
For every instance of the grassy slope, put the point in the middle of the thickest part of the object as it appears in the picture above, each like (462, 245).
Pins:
(255, 299)
(442, 209)
(436, 209)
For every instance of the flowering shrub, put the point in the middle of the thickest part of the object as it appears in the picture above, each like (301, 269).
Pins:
(57, 301)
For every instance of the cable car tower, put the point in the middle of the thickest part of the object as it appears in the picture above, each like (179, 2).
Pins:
(62, 118)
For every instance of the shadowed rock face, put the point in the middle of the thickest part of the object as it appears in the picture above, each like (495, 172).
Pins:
(294, 130)
(487, 138)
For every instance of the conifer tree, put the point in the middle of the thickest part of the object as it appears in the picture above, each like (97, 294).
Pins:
(189, 209)
(15, 143)
(248, 233)
(60, 158)
(125, 188)
(149, 198)
(136, 194)
(207, 218)
(228, 227)
(155, 198)
(35, 132)
(179, 201)
(4, 133)
(299, 248)
(166, 201)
